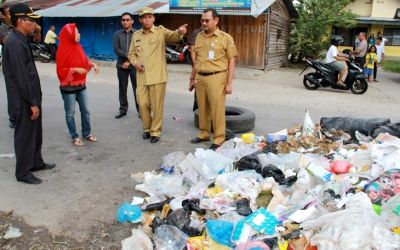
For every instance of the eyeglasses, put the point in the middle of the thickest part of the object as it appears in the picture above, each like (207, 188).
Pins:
(205, 20)
(125, 20)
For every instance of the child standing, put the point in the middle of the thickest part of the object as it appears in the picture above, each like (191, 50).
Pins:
(371, 59)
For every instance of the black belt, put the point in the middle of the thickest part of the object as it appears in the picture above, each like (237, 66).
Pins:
(210, 73)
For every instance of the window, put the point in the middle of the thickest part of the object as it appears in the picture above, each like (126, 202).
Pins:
(393, 36)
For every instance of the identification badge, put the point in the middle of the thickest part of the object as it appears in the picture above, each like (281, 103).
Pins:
(211, 55)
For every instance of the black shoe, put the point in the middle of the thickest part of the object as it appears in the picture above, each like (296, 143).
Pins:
(30, 179)
(154, 139)
(120, 114)
(376, 80)
(12, 124)
(146, 135)
(46, 166)
(198, 140)
(214, 146)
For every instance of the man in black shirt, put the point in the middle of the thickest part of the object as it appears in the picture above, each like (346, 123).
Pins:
(25, 95)
(121, 42)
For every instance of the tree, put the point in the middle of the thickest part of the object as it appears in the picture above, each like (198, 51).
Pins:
(313, 28)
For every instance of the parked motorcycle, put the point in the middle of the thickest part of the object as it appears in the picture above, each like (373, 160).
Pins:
(178, 53)
(326, 76)
(40, 52)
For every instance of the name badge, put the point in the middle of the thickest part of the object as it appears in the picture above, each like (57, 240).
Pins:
(211, 55)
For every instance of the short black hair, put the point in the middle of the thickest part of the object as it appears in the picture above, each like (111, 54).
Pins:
(14, 20)
(379, 38)
(213, 12)
(127, 14)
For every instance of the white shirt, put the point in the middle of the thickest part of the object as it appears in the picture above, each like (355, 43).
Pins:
(384, 39)
(330, 55)
(380, 49)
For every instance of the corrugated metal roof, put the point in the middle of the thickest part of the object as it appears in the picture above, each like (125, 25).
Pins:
(101, 8)
(37, 4)
(378, 20)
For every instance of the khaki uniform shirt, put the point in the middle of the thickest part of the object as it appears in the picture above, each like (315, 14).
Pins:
(148, 49)
(50, 37)
(213, 52)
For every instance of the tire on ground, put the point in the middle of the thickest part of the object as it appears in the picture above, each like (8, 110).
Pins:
(237, 119)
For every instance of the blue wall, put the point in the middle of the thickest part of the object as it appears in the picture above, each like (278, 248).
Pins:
(96, 33)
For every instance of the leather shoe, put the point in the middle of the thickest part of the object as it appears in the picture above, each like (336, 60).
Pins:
(198, 140)
(30, 179)
(214, 146)
(120, 114)
(154, 139)
(146, 135)
(46, 166)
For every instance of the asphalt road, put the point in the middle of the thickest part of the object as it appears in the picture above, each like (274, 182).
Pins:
(90, 183)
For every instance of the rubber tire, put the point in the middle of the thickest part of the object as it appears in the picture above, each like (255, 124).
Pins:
(44, 59)
(365, 82)
(307, 86)
(238, 119)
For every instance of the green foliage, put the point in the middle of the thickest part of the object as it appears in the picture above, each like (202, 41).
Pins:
(392, 65)
(314, 26)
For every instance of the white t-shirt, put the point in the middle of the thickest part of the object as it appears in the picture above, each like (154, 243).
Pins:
(379, 50)
(330, 55)
(384, 39)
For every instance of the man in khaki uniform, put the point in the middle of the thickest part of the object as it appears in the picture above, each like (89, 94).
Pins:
(212, 75)
(147, 55)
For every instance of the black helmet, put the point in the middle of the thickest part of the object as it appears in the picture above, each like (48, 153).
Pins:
(337, 40)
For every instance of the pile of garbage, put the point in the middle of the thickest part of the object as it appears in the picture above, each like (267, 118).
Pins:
(323, 187)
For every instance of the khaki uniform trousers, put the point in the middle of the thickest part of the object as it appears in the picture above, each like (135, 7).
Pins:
(210, 93)
(151, 106)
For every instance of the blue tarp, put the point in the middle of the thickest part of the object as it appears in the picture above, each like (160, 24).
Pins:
(96, 33)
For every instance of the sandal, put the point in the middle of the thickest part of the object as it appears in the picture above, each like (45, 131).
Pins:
(91, 138)
(77, 142)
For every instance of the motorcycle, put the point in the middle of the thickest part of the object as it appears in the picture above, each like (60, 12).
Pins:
(178, 53)
(40, 52)
(326, 76)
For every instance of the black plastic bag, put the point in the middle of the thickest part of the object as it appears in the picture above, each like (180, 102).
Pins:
(274, 172)
(393, 129)
(156, 223)
(271, 148)
(180, 218)
(249, 162)
(229, 134)
(158, 205)
(351, 125)
(243, 207)
(193, 205)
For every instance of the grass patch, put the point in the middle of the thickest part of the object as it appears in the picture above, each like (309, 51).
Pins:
(392, 65)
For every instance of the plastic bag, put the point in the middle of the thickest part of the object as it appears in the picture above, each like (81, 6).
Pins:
(385, 156)
(169, 238)
(281, 135)
(392, 128)
(160, 185)
(249, 162)
(308, 125)
(340, 167)
(351, 125)
(220, 231)
(129, 213)
(283, 162)
(13, 232)
(235, 149)
(171, 161)
(213, 163)
(138, 241)
(246, 183)
(243, 207)
(384, 187)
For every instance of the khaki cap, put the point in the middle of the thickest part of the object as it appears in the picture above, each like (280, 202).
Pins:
(146, 10)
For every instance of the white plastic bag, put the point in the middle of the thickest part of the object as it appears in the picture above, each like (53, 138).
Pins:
(138, 241)
(169, 238)
(308, 125)
(213, 163)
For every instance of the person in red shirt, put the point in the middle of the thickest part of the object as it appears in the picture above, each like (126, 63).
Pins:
(72, 68)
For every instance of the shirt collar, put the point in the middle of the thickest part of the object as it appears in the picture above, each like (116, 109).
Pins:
(152, 30)
(216, 33)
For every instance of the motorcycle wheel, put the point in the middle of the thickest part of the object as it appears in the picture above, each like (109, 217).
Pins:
(188, 58)
(359, 86)
(308, 84)
(44, 57)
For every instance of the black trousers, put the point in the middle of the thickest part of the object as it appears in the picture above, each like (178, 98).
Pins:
(361, 61)
(11, 115)
(53, 50)
(27, 142)
(375, 69)
(123, 78)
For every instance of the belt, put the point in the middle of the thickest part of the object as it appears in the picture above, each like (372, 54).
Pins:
(210, 73)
